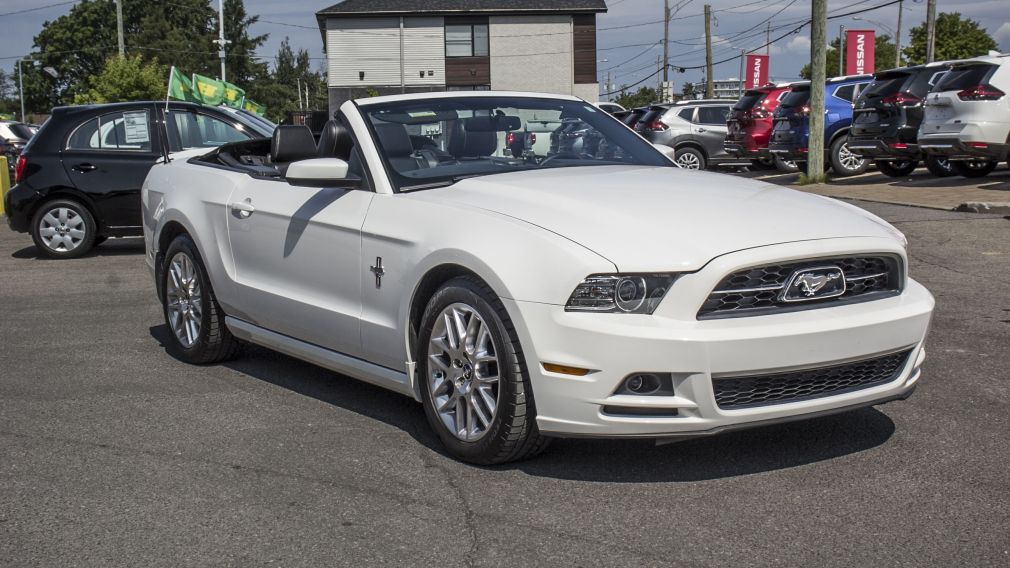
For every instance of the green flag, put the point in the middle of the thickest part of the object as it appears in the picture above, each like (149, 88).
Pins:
(254, 107)
(233, 95)
(10, 116)
(208, 91)
(180, 87)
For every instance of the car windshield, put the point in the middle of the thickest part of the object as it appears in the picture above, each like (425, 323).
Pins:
(885, 85)
(965, 77)
(436, 142)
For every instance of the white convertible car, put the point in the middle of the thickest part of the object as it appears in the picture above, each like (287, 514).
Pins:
(527, 267)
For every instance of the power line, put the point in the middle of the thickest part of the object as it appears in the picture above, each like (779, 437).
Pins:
(37, 8)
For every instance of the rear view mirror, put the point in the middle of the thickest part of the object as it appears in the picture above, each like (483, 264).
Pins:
(320, 172)
(667, 151)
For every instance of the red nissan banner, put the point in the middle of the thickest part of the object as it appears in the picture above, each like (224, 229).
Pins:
(859, 52)
(757, 71)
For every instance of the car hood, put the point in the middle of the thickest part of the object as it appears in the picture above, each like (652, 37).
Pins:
(654, 218)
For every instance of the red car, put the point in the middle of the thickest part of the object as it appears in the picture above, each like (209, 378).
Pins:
(750, 125)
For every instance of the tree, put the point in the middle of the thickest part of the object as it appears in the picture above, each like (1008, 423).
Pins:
(280, 92)
(956, 38)
(244, 66)
(883, 56)
(687, 90)
(642, 97)
(126, 79)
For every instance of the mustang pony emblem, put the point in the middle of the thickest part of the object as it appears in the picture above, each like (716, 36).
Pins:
(815, 283)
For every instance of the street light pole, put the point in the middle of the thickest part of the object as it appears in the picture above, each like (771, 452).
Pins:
(119, 27)
(221, 41)
(21, 90)
(897, 36)
(841, 49)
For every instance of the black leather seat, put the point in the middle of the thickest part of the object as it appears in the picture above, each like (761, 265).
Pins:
(335, 141)
(290, 143)
(469, 138)
(396, 144)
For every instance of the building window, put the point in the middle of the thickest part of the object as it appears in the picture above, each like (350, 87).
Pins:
(466, 40)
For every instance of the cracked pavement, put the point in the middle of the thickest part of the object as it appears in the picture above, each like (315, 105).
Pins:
(112, 453)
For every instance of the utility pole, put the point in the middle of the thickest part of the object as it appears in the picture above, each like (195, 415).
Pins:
(743, 55)
(768, 38)
(608, 88)
(659, 88)
(897, 36)
(119, 27)
(666, 40)
(841, 50)
(21, 89)
(709, 85)
(220, 41)
(930, 29)
(818, 40)
(307, 105)
(298, 89)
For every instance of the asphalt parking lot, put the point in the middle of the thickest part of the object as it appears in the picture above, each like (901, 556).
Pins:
(114, 453)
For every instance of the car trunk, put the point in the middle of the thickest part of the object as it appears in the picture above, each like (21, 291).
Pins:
(791, 117)
(742, 114)
(963, 96)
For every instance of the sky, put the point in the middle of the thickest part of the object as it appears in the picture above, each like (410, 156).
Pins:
(628, 34)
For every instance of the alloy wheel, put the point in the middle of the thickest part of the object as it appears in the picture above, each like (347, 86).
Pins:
(184, 300)
(849, 161)
(463, 371)
(688, 161)
(62, 229)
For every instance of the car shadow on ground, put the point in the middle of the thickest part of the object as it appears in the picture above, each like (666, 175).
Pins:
(726, 455)
(111, 247)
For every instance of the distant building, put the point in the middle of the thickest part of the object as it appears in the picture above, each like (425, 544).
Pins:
(393, 46)
(724, 88)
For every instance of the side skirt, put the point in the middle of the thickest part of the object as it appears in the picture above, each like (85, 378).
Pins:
(359, 369)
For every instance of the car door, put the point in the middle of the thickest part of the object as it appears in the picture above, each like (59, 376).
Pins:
(192, 128)
(710, 128)
(108, 156)
(296, 252)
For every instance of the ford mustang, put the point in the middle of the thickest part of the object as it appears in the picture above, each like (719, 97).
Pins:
(527, 267)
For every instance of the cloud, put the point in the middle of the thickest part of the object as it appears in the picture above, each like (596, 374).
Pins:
(796, 45)
(1002, 37)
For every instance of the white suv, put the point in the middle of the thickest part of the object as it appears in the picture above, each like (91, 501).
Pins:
(968, 116)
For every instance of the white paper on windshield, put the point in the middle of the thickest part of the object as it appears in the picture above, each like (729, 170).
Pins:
(136, 127)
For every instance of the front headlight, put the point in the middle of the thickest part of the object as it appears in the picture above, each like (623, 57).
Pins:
(620, 293)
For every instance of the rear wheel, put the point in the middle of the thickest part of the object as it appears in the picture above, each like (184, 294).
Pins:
(844, 162)
(197, 332)
(897, 168)
(690, 159)
(474, 386)
(63, 228)
(974, 168)
(939, 167)
(786, 166)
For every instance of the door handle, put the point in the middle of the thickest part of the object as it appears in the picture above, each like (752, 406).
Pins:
(85, 167)
(243, 209)
(702, 130)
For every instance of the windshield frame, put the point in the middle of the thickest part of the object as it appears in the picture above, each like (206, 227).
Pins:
(404, 184)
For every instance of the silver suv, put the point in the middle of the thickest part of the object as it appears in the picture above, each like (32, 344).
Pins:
(695, 129)
(967, 117)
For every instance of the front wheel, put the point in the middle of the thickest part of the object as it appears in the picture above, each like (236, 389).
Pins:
(898, 168)
(474, 386)
(974, 168)
(844, 162)
(690, 159)
(63, 228)
(197, 332)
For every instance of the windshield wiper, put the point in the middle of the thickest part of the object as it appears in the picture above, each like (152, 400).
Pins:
(440, 183)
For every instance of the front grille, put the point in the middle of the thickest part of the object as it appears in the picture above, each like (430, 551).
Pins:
(779, 388)
(758, 290)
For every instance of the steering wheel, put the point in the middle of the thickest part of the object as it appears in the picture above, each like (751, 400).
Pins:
(568, 155)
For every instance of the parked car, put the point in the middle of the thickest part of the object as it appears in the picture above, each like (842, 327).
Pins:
(78, 179)
(14, 136)
(605, 293)
(612, 108)
(631, 117)
(886, 119)
(695, 129)
(967, 119)
(749, 126)
(791, 130)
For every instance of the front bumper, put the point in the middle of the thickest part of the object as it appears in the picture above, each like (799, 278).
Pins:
(16, 204)
(673, 341)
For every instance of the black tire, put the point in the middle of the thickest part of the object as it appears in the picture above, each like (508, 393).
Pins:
(974, 169)
(939, 167)
(690, 159)
(214, 342)
(100, 239)
(78, 218)
(786, 166)
(512, 433)
(840, 155)
(896, 168)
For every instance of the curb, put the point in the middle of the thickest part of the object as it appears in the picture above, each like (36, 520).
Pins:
(1001, 208)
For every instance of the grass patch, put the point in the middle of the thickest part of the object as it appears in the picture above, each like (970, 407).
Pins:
(804, 179)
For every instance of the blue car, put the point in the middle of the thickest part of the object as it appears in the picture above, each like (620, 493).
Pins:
(791, 128)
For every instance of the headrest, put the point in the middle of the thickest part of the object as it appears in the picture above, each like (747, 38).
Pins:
(292, 142)
(394, 139)
(465, 142)
(335, 141)
(492, 123)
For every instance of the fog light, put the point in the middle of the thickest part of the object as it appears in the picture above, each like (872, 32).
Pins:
(645, 383)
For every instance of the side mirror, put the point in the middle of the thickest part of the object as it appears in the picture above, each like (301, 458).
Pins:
(667, 151)
(320, 172)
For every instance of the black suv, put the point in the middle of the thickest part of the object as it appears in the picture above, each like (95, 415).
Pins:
(79, 178)
(887, 116)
